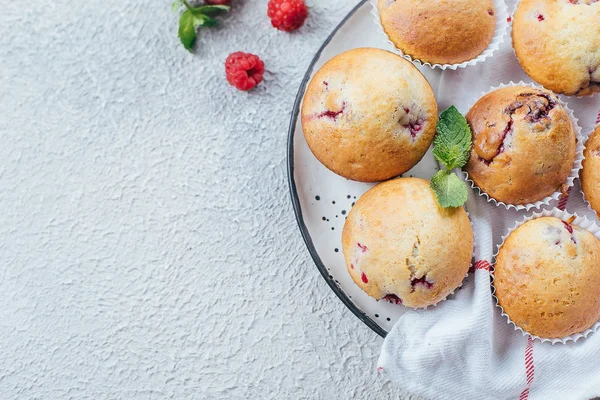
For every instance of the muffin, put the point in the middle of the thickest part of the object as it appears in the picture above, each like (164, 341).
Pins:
(524, 145)
(557, 43)
(590, 174)
(433, 31)
(401, 245)
(547, 278)
(369, 115)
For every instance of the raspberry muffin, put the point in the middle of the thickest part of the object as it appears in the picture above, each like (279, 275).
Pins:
(524, 145)
(590, 174)
(547, 278)
(558, 44)
(433, 31)
(401, 245)
(369, 115)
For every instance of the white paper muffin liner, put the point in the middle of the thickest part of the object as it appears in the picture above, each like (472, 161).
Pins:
(587, 203)
(574, 171)
(512, 45)
(581, 222)
(501, 13)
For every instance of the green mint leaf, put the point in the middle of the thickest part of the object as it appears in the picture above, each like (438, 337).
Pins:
(176, 5)
(187, 31)
(204, 20)
(450, 156)
(449, 189)
(452, 143)
(210, 9)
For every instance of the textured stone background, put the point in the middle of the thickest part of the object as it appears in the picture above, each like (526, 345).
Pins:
(148, 247)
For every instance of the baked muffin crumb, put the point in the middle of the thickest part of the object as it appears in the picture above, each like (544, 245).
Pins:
(433, 31)
(400, 246)
(369, 115)
(546, 278)
(590, 173)
(524, 144)
(557, 43)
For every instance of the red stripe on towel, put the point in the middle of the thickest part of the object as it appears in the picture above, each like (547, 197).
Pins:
(482, 264)
(564, 199)
(529, 369)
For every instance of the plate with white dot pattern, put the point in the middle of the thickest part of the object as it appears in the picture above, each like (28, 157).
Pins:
(323, 199)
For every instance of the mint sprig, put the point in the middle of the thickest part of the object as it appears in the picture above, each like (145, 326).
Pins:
(449, 189)
(451, 148)
(193, 18)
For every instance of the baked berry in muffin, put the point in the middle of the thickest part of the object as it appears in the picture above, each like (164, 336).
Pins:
(547, 277)
(439, 31)
(401, 245)
(590, 174)
(524, 144)
(558, 44)
(369, 115)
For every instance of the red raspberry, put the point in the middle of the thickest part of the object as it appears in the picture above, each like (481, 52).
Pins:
(218, 2)
(287, 15)
(243, 70)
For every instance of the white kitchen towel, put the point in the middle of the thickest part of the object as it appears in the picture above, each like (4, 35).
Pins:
(464, 348)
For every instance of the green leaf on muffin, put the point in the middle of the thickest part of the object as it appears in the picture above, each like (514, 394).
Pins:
(451, 148)
(452, 143)
(449, 189)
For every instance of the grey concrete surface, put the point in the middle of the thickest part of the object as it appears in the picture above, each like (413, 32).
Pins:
(148, 246)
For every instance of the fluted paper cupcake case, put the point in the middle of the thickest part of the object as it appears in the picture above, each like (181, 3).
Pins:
(501, 11)
(581, 222)
(509, 34)
(574, 171)
(587, 203)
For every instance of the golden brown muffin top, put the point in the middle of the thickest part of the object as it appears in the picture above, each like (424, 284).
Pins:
(401, 245)
(590, 174)
(369, 115)
(439, 31)
(558, 44)
(524, 144)
(547, 277)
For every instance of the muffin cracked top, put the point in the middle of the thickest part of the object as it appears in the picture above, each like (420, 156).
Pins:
(524, 144)
(401, 246)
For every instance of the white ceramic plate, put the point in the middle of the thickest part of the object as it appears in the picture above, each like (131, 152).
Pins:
(322, 199)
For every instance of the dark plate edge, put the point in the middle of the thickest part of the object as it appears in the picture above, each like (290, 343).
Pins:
(294, 193)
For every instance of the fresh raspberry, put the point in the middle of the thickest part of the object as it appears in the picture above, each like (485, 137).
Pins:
(287, 15)
(243, 70)
(218, 2)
